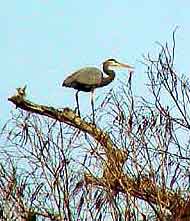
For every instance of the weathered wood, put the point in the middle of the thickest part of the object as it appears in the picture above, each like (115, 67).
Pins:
(113, 177)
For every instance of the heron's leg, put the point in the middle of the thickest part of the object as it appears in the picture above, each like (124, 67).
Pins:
(77, 100)
(92, 104)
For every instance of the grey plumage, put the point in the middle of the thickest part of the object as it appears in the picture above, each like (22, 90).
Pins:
(85, 79)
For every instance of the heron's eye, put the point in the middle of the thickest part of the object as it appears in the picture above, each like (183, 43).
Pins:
(113, 63)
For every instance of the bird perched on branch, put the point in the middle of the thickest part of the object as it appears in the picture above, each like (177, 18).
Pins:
(89, 78)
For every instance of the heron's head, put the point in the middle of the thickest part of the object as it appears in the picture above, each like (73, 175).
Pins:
(112, 63)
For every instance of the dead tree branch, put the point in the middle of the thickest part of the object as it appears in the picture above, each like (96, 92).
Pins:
(114, 178)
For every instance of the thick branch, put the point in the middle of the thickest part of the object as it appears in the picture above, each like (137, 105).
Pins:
(65, 115)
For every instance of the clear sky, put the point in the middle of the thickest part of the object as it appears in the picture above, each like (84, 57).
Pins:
(42, 41)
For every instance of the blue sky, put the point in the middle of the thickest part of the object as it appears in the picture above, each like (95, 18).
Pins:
(42, 41)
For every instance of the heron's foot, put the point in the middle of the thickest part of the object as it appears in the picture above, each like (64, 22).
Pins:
(93, 121)
(77, 111)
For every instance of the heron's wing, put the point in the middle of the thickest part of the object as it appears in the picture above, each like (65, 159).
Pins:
(86, 76)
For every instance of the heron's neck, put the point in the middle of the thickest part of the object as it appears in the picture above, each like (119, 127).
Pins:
(110, 78)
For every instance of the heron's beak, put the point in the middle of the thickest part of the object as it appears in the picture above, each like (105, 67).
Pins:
(125, 66)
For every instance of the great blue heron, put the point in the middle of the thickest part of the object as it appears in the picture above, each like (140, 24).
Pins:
(89, 78)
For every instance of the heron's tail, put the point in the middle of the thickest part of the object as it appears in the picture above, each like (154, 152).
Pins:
(67, 82)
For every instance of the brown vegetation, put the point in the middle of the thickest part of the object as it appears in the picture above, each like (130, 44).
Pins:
(133, 165)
